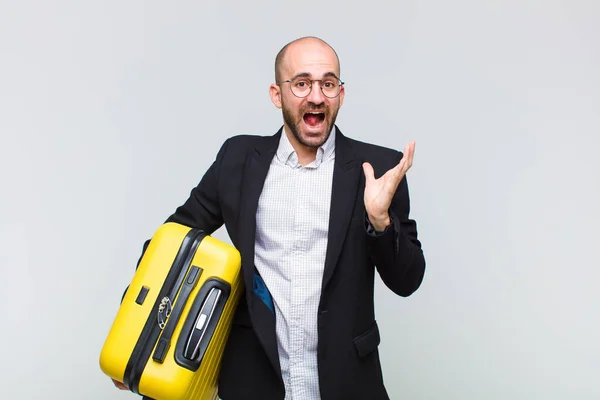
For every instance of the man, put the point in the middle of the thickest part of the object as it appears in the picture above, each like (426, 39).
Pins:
(313, 224)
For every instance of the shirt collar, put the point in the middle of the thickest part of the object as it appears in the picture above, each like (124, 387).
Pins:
(287, 155)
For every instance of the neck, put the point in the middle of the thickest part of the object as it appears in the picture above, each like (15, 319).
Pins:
(306, 154)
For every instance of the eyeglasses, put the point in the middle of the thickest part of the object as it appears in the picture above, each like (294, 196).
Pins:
(301, 86)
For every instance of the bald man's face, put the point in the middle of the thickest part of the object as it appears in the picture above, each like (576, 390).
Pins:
(309, 119)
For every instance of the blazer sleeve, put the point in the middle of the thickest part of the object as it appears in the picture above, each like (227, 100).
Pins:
(396, 251)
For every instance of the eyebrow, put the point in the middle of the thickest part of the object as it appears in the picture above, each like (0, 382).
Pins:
(308, 75)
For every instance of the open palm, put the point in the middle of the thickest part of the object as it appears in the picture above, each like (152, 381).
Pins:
(379, 192)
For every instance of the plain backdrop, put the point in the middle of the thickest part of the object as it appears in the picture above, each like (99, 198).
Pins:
(111, 111)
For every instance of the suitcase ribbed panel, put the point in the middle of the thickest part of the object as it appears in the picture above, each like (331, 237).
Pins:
(206, 389)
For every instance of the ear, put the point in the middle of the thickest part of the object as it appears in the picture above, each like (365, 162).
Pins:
(342, 93)
(275, 93)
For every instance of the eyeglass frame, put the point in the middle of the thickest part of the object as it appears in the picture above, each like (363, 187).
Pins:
(312, 81)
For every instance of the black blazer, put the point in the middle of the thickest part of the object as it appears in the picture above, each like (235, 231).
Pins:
(348, 359)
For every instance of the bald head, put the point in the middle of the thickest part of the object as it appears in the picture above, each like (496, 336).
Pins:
(300, 44)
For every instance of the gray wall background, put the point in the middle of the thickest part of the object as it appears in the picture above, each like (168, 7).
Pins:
(110, 112)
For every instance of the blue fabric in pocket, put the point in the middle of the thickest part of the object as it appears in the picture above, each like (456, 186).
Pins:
(260, 288)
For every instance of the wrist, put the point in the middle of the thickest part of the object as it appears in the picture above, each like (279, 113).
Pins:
(380, 222)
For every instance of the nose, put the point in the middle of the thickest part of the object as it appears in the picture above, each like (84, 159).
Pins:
(316, 95)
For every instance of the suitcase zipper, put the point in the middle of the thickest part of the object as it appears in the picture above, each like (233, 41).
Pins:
(164, 341)
(152, 328)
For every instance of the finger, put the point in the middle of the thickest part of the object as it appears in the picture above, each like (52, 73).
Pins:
(399, 169)
(120, 385)
(396, 174)
(410, 155)
(369, 172)
(407, 157)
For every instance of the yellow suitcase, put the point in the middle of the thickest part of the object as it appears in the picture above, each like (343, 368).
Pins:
(168, 336)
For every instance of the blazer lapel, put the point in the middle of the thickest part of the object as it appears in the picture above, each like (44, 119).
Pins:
(346, 177)
(255, 173)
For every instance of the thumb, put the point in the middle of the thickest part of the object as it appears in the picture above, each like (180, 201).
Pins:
(369, 173)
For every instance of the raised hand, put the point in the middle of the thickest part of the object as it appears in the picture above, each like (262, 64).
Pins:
(379, 192)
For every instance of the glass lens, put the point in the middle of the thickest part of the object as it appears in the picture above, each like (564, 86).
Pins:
(330, 87)
(301, 87)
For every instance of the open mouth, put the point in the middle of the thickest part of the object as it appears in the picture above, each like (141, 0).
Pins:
(314, 119)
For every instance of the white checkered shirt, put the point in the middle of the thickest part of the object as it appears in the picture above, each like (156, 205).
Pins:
(292, 222)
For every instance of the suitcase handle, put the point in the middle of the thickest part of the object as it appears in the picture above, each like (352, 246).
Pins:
(204, 316)
(164, 341)
(198, 331)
